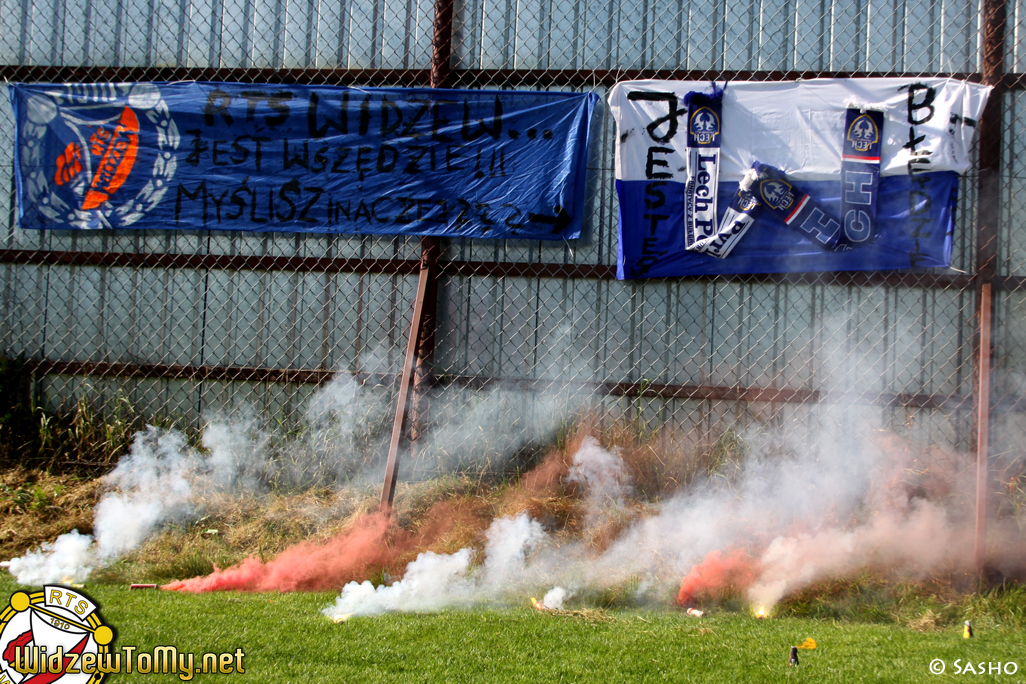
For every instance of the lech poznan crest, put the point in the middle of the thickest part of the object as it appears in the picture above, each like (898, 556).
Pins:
(863, 133)
(746, 200)
(97, 155)
(777, 193)
(705, 126)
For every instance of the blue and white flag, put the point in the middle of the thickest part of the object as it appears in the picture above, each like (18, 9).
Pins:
(898, 209)
(258, 157)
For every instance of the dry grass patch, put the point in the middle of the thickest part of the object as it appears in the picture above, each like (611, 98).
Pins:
(927, 622)
(37, 507)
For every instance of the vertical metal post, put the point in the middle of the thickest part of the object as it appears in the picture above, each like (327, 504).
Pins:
(983, 428)
(420, 347)
(988, 220)
(423, 375)
(392, 466)
(441, 46)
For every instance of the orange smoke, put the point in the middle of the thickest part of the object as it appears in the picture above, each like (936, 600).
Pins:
(717, 573)
(307, 566)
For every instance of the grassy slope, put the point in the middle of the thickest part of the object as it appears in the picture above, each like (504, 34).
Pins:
(286, 639)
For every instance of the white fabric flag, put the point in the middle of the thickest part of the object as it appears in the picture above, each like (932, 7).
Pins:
(797, 126)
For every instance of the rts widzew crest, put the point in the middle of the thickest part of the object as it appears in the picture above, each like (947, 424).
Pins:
(45, 635)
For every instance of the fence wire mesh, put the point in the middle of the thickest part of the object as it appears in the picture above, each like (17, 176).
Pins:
(180, 325)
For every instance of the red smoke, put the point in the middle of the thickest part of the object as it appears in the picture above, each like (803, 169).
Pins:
(307, 566)
(717, 573)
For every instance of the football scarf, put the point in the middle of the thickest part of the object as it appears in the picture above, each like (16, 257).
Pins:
(738, 218)
(860, 175)
(766, 185)
(796, 209)
(705, 114)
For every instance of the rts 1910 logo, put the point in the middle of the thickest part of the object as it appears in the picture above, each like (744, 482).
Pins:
(53, 635)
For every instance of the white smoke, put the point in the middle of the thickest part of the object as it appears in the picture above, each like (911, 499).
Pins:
(151, 484)
(480, 431)
(67, 559)
(345, 436)
(555, 597)
(160, 480)
(436, 581)
(237, 454)
(510, 542)
(605, 480)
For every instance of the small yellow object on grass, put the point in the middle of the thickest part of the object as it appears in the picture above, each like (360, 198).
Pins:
(809, 644)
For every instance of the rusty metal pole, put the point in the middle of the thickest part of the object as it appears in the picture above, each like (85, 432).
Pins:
(420, 347)
(983, 428)
(392, 466)
(423, 375)
(441, 45)
(988, 220)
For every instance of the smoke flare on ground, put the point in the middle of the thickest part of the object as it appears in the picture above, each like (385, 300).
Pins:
(555, 597)
(308, 566)
(435, 581)
(718, 573)
(343, 441)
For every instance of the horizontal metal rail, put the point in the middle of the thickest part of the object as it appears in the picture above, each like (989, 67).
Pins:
(117, 369)
(468, 268)
(770, 395)
(254, 262)
(113, 74)
(460, 77)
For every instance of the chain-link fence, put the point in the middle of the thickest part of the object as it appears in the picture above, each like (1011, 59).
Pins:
(182, 324)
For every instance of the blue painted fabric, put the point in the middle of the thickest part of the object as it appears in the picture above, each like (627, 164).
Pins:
(230, 156)
(915, 214)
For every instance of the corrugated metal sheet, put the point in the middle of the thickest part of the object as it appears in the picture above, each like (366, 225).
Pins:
(733, 334)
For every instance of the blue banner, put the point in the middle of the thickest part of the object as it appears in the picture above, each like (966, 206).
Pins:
(918, 211)
(230, 156)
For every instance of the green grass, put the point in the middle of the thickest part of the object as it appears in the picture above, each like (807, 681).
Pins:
(286, 639)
